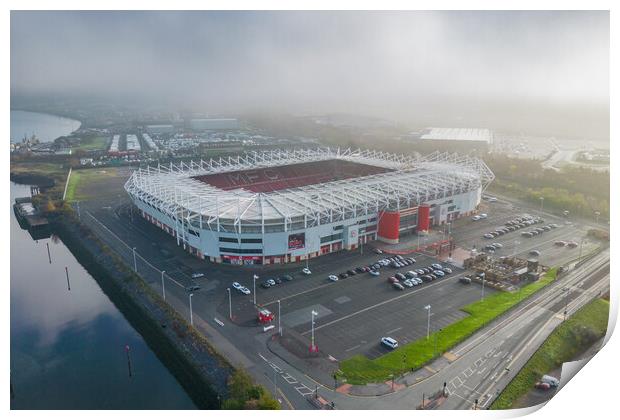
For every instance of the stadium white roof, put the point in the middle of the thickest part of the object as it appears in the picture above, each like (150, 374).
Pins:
(414, 180)
(458, 134)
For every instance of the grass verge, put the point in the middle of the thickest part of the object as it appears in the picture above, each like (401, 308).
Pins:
(360, 370)
(568, 340)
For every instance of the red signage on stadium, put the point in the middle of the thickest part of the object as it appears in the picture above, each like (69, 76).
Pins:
(296, 241)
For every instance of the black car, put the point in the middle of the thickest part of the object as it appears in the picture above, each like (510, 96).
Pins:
(433, 276)
(465, 280)
(359, 269)
(376, 266)
(400, 276)
(343, 275)
(278, 280)
(351, 272)
(426, 277)
(265, 285)
(286, 277)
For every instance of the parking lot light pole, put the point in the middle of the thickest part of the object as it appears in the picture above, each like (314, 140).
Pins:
(428, 323)
(255, 277)
(279, 322)
(313, 315)
(191, 315)
(229, 303)
(163, 288)
(542, 200)
(135, 265)
(482, 293)
(597, 214)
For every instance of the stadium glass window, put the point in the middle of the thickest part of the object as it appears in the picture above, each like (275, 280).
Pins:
(339, 227)
(234, 240)
(241, 251)
(251, 241)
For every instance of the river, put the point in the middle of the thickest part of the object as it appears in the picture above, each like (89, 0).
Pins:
(68, 347)
(46, 127)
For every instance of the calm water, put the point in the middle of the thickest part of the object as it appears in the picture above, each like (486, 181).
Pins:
(45, 127)
(68, 347)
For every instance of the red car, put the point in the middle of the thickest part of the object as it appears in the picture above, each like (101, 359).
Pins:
(542, 385)
(265, 316)
(393, 280)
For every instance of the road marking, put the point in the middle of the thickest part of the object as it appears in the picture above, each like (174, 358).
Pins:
(394, 330)
(376, 305)
(218, 322)
(353, 348)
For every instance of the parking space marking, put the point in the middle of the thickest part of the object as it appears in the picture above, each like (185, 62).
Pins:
(376, 305)
(394, 330)
(353, 348)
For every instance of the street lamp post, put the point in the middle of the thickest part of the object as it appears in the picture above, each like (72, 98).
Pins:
(135, 265)
(191, 315)
(428, 323)
(254, 277)
(597, 214)
(163, 288)
(279, 322)
(567, 290)
(542, 200)
(313, 315)
(229, 303)
(482, 293)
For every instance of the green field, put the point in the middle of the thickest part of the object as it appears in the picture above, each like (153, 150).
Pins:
(83, 182)
(91, 143)
(569, 339)
(360, 370)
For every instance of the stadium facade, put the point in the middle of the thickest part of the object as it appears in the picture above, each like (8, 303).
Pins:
(282, 206)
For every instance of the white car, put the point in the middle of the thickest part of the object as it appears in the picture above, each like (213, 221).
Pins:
(197, 275)
(439, 273)
(333, 277)
(378, 251)
(374, 273)
(245, 290)
(447, 270)
(436, 266)
(236, 286)
(497, 245)
(306, 271)
(484, 215)
(475, 218)
(492, 200)
(408, 283)
(389, 342)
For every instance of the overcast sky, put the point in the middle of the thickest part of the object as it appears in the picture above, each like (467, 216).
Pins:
(370, 62)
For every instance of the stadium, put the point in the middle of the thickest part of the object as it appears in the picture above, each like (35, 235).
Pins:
(280, 206)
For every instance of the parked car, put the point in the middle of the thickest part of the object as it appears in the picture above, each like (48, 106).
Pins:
(237, 286)
(400, 276)
(426, 277)
(483, 215)
(192, 288)
(535, 252)
(437, 266)
(389, 342)
(553, 381)
(332, 277)
(559, 243)
(265, 285)
(542, 385)
(465, 280)
(271, 282)
(278, 280)
(286, 277)
(527, 234)
(245, 290)
(489, 236)
(197, 275)
(374, 273)
(398, 286)
(351, 272)
(408, 283)
(497, 245)
(475, 218)
(447, 270)
(392, 280)
(306, 271)
(439, 273)
(343, 275)
(359, 269)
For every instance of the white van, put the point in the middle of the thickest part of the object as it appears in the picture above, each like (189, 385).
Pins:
(389, 342)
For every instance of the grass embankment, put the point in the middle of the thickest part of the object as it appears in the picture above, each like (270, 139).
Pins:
(83, 182)
(569, 339)
(360, 370)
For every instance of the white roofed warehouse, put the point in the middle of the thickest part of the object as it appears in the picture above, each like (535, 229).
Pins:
(281, 206)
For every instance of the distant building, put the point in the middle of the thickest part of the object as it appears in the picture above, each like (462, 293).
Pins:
(457, 139)
(160, 129)
(214, 124)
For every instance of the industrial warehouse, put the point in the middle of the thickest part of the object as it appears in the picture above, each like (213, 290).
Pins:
(282, 206)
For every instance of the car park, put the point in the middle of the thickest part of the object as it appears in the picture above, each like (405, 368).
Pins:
(306, 271)
(389, 342)
(332, 277)
(398, 286)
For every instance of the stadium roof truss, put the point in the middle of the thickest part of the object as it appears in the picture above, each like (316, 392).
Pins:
(414, 179)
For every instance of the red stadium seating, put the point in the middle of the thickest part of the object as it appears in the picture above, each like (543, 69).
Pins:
(290, 176)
